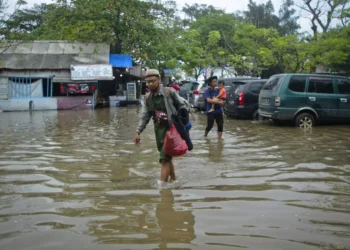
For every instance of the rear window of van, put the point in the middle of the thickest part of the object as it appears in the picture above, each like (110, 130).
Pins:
(239, 88)
(256, 87)
(273, 83)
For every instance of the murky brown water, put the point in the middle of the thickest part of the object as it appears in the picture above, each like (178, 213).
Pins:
(74, 180)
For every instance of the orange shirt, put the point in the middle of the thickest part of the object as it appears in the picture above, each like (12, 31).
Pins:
(222, 93)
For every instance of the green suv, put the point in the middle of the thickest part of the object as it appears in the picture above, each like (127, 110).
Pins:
(305, 99)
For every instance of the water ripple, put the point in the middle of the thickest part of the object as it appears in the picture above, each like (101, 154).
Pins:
(77, 173)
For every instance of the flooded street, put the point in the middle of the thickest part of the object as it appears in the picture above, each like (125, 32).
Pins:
(75, 180)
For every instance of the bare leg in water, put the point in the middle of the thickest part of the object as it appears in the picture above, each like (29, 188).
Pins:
(166, 171)
(219, 135)
(172, 171)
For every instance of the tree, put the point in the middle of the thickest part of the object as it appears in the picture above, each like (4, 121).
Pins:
(261, 15)
(344, 15)
(124, 24)
(161, 52)
(344, 34)
(222, 24)
(197, 53)
(246, 46)
(196, 11)
(331, 50)
(286, 53)
(287, 19)
(24, 22)
(4, 19)
(324, 12)
(266, 48)
(144, 29)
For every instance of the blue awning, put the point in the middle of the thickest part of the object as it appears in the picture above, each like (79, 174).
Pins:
(120, 61)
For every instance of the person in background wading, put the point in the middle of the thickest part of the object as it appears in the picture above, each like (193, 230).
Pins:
(155, 107)
(216, 115)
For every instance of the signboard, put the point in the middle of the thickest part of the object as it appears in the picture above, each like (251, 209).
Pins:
(77, 88)
(92, 72)
(131, 91)
(4, 92)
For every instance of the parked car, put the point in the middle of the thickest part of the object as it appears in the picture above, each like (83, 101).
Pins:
(243, 99)
(229, 82)
(194, 94)
(187, 88)
(200, 101)
(305, 99)
(190, 87)
(184, 94)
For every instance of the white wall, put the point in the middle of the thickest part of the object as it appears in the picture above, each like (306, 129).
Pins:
(23, 104)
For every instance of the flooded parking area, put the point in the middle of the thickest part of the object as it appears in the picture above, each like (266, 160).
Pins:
(75, 180)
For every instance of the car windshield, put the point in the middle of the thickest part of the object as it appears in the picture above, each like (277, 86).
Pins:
(190, 85)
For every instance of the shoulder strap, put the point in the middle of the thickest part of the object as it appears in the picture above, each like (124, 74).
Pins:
(148, 96)
(169, 95)
(169, 107)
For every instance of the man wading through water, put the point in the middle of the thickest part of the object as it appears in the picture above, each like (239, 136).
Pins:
(216, 115)
(155, 107)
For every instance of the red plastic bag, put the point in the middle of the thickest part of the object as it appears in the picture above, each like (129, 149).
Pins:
(174, 145)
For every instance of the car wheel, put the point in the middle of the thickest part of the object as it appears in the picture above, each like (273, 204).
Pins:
(256, 116)
(305, 120)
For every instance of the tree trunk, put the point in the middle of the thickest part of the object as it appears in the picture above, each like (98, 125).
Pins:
(116, 48)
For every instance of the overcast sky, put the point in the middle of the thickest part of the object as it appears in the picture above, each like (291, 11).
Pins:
(228, 5)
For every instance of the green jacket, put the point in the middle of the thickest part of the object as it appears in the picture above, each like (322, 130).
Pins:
(148, 112)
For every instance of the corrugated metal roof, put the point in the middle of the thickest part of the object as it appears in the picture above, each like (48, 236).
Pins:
(52, 55)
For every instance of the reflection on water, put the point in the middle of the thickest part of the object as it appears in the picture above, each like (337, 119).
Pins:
(77, 173)
(175, 226)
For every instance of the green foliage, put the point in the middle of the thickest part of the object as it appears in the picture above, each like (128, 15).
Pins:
(206, 38)
(288, 22)
(196, 11)
(261, 16)
(332, 50)
(209, 40)
(161, 49)
(24, 22)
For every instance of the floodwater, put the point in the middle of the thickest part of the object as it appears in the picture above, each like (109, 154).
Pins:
(74, 180)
